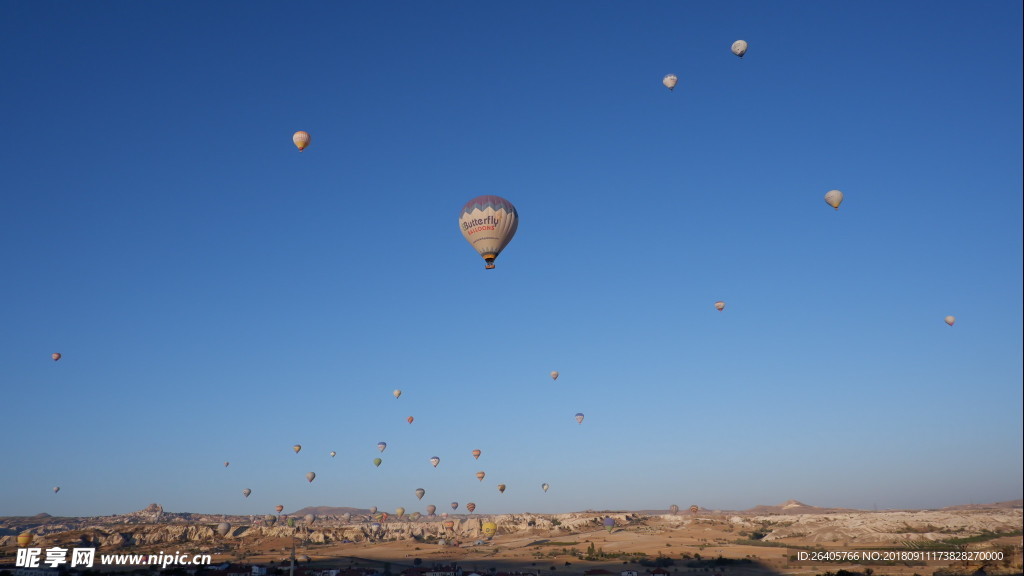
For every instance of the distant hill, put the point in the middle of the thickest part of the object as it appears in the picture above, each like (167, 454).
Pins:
(330, 511)
(1007, 504)
(795, 507)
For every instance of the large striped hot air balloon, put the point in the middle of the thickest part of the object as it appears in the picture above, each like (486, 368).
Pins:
(488, 223)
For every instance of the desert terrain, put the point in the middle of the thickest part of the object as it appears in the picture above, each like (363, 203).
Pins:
(761, 540)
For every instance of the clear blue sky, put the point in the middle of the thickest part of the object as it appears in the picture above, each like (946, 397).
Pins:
(219, 296)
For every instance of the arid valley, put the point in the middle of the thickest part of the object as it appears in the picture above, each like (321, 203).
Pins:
(790, 538)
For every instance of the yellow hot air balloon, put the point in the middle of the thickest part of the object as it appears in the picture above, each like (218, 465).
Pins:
(950, 320)
(554, 374)
(55, 356)
(400, 512)
(834, 198)
(297, 448)
(739, 48)
(670, 81)
(301, 139)
(377, 461)
(24, 539)
(396, 393)
(480, 476)
(545, 486)
(488, 223)
(489, 529)
(719, 305)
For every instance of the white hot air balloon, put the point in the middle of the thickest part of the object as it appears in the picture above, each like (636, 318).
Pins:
(739, 48)
(719, 305)
(670, 81)
(834, 198)
(301, 140)
(554, 374)
(488, 223)
(950, 320)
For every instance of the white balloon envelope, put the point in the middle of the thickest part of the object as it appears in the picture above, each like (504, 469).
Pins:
(488, 223)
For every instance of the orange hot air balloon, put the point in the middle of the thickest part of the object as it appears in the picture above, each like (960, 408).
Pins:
(24, 539)
(55, 356)
(501, 488)
(279, 508)
(301, 139)
(471, 507)
(449, 524)
(409, 419)
(476, 454)
(480, 476)
(694, 509)
(384, 517)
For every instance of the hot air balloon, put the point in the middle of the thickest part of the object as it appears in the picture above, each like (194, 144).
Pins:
(455, 505)
(554, 374)
(834, 198)
(377, 461)
(279, 508)
(950, 320)
(409, 419)
(673, 509)
(609, 523)
(476, 454)
(501, 488)
(435, 461)
(297, 448)
(223, 528)
(739, 48)
(488, 223)
(55, 356)
(694, 509)
(346, 516)
(400, 512)
(545, 486)
(444, 514)
(270, 519)
(373, 509)
(24, 539)
(419, 493)
(301, 140)
(415, 516)
(670, 81)
(489, 529)
(246, 492)
(56, 489)
(579, 417)
(470, 507)
(333, 453)
(376, 527)
(309, 518)
(384, 516)
(431, 509)
(449, 524)
(480, 476)
(381, 446)
(310, 476)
